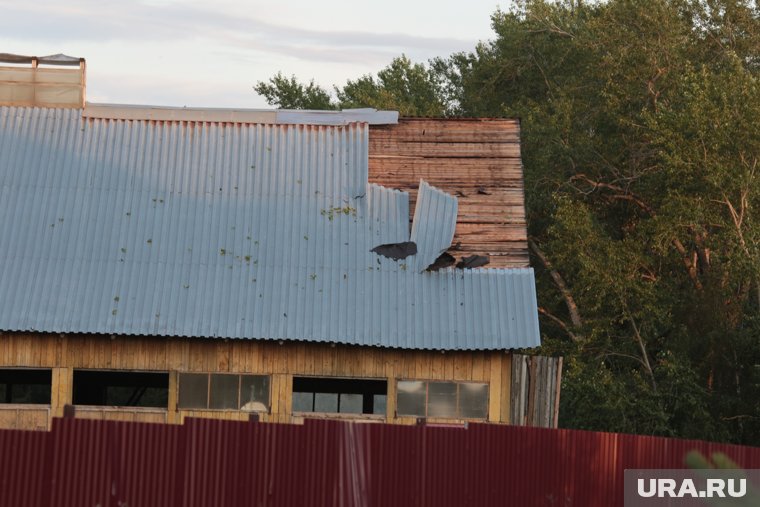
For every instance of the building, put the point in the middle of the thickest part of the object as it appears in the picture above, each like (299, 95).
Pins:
(163, 263)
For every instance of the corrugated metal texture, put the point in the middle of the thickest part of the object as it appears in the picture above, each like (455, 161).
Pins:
(224, 230)
(279, 116)
(475, 159)
(23, 467)
(327, 463)
(435, 217)
(388, 214)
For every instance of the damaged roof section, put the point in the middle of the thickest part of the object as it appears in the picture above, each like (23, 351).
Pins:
(205, 229)
(435, 218)
(475, 159)
(388, 214)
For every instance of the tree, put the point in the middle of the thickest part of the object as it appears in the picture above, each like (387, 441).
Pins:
(641, 144)
(403, 86)
(288, 93)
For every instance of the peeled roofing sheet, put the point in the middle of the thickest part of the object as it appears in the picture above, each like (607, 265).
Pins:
(435, 218)
(225, 230)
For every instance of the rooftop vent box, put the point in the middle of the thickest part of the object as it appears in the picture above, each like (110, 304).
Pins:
(42, 81)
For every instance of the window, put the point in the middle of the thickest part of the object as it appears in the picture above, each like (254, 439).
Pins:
(121, 388)
(454, 400)
(25, 386)
(339, 395)
(224, 391)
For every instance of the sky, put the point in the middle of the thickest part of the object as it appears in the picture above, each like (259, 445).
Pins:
(211, 54)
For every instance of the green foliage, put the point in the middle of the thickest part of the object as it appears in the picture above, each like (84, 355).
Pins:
(408, 88)
(403, 86)
(288, 93)
(641, 143)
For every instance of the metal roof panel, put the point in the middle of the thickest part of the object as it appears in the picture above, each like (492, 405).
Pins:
(225, 230)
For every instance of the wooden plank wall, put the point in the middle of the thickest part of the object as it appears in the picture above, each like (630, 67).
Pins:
(476, 160)
(42, 87)
(536, 384)
(64, 353)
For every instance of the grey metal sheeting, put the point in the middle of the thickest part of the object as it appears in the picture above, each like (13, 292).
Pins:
(435, 217)
(225, 230)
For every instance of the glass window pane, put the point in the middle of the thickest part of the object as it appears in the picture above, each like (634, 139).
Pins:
(473, 401)
(224, 391)
(193, 390)
(379, 404)
(351, 403)
(2, 393)
(442, 399)
(303, 402)
(326, 402)
(411, 398)
(254, 393)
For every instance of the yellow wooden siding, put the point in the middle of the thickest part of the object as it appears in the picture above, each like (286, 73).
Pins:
(24, 417)
(282, 361)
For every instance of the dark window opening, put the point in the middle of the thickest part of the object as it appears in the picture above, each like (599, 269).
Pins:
(25, 386)
(339, 395)
(121, 388)
(223, 391)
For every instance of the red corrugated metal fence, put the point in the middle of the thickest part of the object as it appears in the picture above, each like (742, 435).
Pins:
(326, 463)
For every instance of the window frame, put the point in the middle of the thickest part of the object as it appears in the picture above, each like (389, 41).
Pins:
(32, 405)
(239, 376)
(458, 383)
(124, 371)
(340, 415)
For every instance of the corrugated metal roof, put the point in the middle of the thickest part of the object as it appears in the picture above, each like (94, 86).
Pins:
(225, 230)
(435, 217)
(224, 115)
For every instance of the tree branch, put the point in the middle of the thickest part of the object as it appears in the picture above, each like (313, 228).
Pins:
(691, 266)
(642, 347)
(559, 322)
(572, 308)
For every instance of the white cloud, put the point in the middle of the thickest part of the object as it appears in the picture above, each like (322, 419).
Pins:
(138, 50)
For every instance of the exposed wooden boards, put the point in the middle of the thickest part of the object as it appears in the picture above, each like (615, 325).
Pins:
(478, 161)
(41, 87)
(18, 417)
(437, 150)
(282, 361)
(60, 392)
(173, 396)
(494, 386)
(506, 389)
(536, 381)
(122, 414)
(237, 356)
(451, 130)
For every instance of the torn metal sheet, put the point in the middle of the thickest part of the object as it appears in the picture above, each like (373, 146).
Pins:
(388, 214)
(435, 218)
(473, 261)
(396, 251)
(444, 260)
